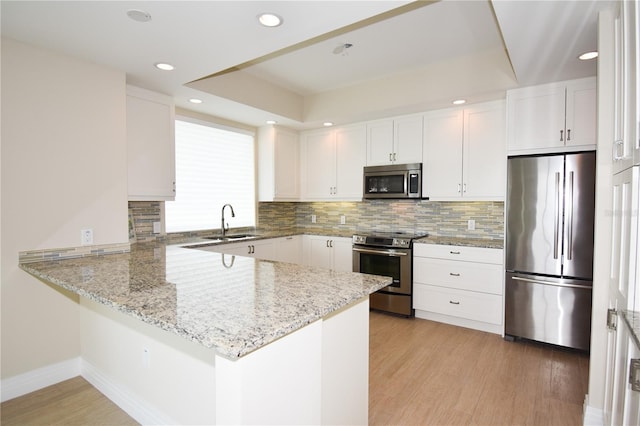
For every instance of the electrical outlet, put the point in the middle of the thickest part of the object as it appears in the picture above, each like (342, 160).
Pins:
(156, 227)
(471, 225)
(343, 219)
(313, 218)
(86, 237)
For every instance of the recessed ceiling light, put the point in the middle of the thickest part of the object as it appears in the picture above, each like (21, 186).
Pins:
(271, 121)
(138, 15)
(195, 101)
(588, 55)
(459, 102)
(341, 48)
(269, 19)
(164, 66)
(327, 124)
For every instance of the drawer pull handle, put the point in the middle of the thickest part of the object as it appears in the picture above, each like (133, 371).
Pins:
(454, 303)
(454, 275)
(454, 252)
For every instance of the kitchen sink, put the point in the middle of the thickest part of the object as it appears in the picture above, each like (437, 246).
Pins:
(231, 237)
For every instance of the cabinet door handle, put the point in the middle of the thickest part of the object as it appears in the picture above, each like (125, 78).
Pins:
(454, 274)
(464, 188)
(330, 243)
(248, 249)
(454, 303)
(569, 214)
(390, 156)
(454, 252)
(561, 138)
(459, 187)
(568, 135)
(557, 213)
(394, 156)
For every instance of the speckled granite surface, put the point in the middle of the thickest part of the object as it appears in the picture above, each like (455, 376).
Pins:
(468, 242)
(232, 304)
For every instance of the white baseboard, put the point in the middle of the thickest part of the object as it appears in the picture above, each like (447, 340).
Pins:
(460, 322)
(34, 380)
(592, 416)
(141, 411)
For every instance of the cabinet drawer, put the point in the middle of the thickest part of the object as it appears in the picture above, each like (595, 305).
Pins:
(459, 303)
(482, 277)
(469, 254)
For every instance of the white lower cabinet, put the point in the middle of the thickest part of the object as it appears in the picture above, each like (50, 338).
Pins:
(459, 285)
(313, 250)
(328, 252)
(288, 249)
(260, 249)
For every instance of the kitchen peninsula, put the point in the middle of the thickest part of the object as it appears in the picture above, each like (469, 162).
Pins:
(185, 336)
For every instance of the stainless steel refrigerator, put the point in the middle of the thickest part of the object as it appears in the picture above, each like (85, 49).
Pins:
(549, 248)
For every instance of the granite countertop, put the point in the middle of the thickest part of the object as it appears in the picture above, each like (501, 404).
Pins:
(232, 304)
(461, 241)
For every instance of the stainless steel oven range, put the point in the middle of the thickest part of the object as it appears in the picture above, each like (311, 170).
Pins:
(387, 254)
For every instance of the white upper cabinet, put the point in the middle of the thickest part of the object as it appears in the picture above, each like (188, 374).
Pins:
(552, 117)
(626, 138)
(278, 164)
(464, 153)
(150, 145)
(350, 159)
(442, 154)
(394, 141)
(332, 162)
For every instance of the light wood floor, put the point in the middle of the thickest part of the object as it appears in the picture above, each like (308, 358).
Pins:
(421, 373)
(427, 373)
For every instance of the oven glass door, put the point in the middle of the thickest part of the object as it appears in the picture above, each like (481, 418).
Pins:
(389, 263)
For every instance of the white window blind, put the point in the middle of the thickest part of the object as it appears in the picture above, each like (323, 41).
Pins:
(214, 167)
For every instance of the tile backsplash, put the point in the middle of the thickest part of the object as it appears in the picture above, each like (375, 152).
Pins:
(448, 219)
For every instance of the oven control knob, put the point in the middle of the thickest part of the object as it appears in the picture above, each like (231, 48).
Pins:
(359, 239)
(400, 242)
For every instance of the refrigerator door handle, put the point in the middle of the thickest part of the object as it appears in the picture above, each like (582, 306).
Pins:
(586, 287)
(556, 225)
(570, 217)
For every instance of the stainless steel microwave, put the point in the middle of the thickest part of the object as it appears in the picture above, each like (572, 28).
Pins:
(393, 181)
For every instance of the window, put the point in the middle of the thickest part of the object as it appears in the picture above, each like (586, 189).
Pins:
(214, 166)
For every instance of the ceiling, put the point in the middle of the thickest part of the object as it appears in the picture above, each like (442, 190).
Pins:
(405, 56)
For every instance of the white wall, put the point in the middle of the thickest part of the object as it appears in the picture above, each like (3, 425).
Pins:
(63, 169)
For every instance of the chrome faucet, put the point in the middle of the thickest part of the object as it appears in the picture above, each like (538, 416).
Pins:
(222, 227)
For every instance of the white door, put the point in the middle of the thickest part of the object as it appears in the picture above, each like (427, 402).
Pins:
(318, 149)
(286, 165)
(407, 140)
(342, 254)
(536, 117)
(484, 160)
(442, 155)
(318, 251)
(581, 113)
(351, 149)
(379, 142)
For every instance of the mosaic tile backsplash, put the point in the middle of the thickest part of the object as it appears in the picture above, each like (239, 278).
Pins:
(447, 219)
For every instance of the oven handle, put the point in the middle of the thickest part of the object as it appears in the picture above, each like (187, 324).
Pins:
(381, 252)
